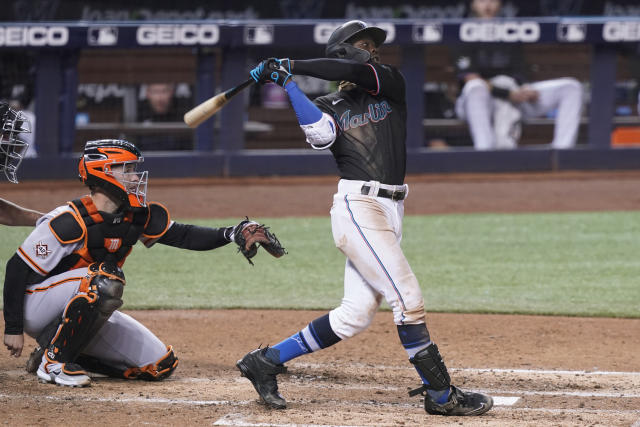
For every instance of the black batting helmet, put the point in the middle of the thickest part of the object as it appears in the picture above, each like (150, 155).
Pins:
(339, 44)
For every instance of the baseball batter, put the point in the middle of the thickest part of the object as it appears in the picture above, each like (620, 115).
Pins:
(65, 284)
(364, 126)
(12, 149)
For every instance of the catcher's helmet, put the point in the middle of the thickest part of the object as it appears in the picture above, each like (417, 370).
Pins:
(96, 169)
(11, 147)
(339, 44)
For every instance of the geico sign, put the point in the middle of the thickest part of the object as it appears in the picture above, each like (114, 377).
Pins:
(34, 36)
(188, 34)
(627, 31)
(524, 31)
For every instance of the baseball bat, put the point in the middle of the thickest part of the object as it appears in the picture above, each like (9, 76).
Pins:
(208, 108)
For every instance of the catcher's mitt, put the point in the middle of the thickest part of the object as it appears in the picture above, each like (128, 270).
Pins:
(249, 234)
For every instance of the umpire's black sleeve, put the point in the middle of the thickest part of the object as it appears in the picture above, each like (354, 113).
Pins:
(15, 282)
(383, 79)
(193, 237)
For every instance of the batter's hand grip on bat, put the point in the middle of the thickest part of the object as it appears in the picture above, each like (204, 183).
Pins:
(211, 106)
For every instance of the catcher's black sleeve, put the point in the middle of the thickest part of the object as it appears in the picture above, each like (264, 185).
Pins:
(383, 79)
(193, 237)
(15, 282)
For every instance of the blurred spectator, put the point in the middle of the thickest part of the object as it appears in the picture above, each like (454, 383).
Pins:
(495, 96)
(160, 105)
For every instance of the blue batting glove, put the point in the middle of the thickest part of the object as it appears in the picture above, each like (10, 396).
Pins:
(285, 63)
(277, 71)
(257, 72)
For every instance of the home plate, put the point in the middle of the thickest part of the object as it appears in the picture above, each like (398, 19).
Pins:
(505, 400)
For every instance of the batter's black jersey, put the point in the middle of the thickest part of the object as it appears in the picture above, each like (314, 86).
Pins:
(371, 128)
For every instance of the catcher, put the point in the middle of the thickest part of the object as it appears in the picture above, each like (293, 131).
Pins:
(12, 149)
(64, 285)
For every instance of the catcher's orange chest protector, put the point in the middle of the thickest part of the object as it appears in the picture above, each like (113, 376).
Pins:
(106, 237)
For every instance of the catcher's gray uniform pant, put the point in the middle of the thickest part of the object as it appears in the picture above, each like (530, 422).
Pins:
(476, 105)
(122, 342)
(368, 230)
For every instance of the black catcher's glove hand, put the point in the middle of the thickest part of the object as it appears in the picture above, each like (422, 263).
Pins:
(249, 234)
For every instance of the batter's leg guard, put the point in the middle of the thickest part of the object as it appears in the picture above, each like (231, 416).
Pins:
(157, 371)
(432, 368)
(460, 403)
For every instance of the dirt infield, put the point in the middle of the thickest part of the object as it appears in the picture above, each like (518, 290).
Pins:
(543, 371)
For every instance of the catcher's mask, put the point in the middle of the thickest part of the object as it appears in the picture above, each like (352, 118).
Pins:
(340, 41)
(12, 148)
(111, 164)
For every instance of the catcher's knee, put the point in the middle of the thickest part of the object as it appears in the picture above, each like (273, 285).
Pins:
(100, 295)
(106, 281)
(156, 371)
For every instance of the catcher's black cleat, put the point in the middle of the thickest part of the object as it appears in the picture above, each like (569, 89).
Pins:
(34, 359)
(460, 403)
(262, 374)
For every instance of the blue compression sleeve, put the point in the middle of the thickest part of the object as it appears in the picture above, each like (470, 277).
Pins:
(306, 111)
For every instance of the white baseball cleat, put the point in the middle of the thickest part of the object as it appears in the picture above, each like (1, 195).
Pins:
(66, 374)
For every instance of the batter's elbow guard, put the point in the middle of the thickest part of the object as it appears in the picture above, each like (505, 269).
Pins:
(321, 134)
(157, 371)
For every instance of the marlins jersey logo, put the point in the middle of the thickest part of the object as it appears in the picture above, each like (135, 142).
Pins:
(375, 112)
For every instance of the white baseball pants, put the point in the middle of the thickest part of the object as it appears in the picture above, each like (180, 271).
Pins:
(122, 342)
(368, 230)
(476, 105)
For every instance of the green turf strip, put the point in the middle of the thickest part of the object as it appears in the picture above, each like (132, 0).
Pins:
(585, 264)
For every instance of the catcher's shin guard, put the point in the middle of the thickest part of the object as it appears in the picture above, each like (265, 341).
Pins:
(87, 312)
(156, 371)
(74, 332)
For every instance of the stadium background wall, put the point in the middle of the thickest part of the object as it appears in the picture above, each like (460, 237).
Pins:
(223, 50)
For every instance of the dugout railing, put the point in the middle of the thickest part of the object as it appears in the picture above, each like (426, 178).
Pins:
(225, 50)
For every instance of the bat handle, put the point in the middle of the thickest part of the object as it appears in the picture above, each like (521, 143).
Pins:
(231, 92)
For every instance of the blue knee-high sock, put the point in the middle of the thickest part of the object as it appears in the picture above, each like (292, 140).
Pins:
(315, 336)
(414, 338)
